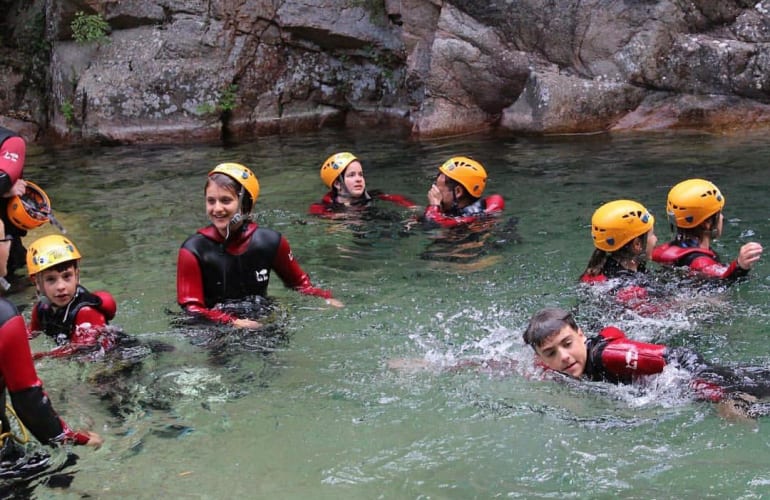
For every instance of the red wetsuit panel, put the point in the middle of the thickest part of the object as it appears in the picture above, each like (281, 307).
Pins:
(492, 205)
(12, 155)
(625, 357)
(702, 261)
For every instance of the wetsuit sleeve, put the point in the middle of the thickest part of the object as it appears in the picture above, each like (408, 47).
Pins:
(108, 307)
(433, 214)
(318, 209)
(30, 402)
(12, 155)
(624, 357)
(292, 275)
(494, 204)
(189, 289)
(398, 199)
(89, 324)
(707, 266)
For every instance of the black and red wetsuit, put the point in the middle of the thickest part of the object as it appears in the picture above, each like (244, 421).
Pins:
(210, 270)
(77, 326)
(329, 207)
(632, 290)
(30, 402)
(701, 261)
(13, 151)
(483, 207)
(613, 357)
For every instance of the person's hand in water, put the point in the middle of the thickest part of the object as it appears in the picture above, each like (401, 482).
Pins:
(334, 303)
(94, 440)
(248, 324)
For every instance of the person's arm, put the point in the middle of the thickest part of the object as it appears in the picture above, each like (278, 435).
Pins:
(12, 156)
(89, 326)
(398, 199)
(433, 214)
(189, 290)
(707, 266)
(494, 204)
(624, 357)
(29, 400)
(287, 268)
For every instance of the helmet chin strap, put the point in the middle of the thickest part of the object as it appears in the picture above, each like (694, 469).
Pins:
(238, 217)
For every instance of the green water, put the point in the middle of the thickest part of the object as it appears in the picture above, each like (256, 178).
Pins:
(322, 416)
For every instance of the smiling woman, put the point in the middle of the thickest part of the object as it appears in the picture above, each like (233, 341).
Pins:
(232, 258)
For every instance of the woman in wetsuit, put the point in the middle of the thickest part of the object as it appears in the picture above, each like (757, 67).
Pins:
(343, 174)
(694, 208)
(232, 257)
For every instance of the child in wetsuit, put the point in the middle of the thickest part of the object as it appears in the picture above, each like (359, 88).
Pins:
(66, 311)
(694, 208)
(455, 197)
(343, 174)
(560, 345)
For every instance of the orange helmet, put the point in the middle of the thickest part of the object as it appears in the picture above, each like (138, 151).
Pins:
(334, 166)
(468, 172)
(693, 201)
(50, 251)
(616, 223)
(242, 176)
(30, 210)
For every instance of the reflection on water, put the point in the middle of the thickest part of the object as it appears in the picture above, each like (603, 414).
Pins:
(309, 409)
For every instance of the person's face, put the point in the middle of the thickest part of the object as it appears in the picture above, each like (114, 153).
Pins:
(720, 224)
(652, 240)
(221, 206)
(353, 180)
(58, 286)
(564, 351)
(447, 196)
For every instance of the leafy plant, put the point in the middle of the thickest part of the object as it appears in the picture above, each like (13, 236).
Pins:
(89, 28)
(226, 102)
(68, 111)
(228, 97)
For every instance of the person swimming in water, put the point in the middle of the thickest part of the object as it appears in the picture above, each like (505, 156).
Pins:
(343, 174)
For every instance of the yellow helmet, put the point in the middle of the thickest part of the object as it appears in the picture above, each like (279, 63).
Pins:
(468, 172)
(693, 201)
(242, 176)
(334, 166)
(30, 210)
(616, 223)
(50, 251)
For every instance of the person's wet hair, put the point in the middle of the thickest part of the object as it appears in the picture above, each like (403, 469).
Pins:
(546, 323)
(63, 266)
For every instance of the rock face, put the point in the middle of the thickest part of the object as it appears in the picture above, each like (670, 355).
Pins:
(172, 71)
